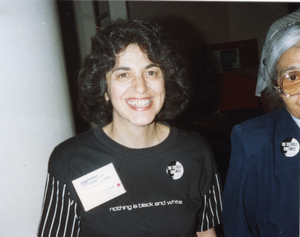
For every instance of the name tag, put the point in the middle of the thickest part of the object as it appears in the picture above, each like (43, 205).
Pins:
(98, 187)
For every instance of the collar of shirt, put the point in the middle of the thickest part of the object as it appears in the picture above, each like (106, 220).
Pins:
(297, 121)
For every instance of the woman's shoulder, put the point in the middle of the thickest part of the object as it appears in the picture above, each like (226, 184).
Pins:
(72, 147)
(76, 141)
(191, 138)
(263, 123)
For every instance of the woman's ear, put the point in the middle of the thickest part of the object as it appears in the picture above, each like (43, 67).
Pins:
(106, 96)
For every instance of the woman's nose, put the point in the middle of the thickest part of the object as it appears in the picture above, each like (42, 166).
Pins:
(140, 85)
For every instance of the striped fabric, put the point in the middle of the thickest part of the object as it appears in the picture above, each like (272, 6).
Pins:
(212, 209)
(59, 216)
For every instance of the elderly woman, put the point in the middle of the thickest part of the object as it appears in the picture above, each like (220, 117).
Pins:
(261, 196)
(133, 175)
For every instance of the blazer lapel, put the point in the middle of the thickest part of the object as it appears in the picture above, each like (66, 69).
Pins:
(286, 129)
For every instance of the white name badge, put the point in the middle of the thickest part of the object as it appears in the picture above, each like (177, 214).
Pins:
(98, 187)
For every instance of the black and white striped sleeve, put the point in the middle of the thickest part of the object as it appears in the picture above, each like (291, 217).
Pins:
(59, 213)
(211, 212)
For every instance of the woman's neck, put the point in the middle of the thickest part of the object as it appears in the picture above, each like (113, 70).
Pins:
(137, 136)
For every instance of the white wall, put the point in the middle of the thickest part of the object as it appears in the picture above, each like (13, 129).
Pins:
(35, 112)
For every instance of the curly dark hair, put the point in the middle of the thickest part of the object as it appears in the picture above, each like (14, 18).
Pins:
(109, 42)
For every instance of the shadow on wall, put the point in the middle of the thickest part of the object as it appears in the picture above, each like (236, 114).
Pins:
(72, 58)
(206, 91)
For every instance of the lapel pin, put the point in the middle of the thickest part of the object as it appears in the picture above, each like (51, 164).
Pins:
(289, 147)
(175, 170)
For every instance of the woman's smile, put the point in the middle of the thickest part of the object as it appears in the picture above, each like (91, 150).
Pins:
(140, 104)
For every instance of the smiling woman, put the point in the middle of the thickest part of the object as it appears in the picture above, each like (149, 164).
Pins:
(134, 175)
(108, 45)
(136, 89)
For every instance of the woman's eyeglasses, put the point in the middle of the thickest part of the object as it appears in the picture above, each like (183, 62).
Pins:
(289, 84)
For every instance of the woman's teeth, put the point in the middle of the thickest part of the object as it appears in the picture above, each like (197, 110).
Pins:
(139, 103)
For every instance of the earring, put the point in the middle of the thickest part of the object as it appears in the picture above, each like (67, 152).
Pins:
(106, 96)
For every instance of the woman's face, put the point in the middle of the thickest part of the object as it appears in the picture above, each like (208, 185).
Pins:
(290, 61)
(135, 87)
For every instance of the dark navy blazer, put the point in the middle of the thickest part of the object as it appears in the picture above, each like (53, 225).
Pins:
(261, 195)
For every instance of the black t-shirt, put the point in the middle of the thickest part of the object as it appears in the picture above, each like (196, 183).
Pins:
(173, 188)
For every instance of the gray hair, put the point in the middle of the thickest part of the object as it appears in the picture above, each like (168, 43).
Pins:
(280, 41)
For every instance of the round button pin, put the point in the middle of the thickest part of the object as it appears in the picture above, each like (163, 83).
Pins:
(175, 170)
(289, 147)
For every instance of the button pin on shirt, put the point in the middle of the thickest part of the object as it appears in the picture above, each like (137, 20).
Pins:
(175, 170)
(289, 147)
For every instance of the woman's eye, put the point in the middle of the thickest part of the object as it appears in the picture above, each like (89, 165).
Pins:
(123, 75)
(151, 73)
(293, 77)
